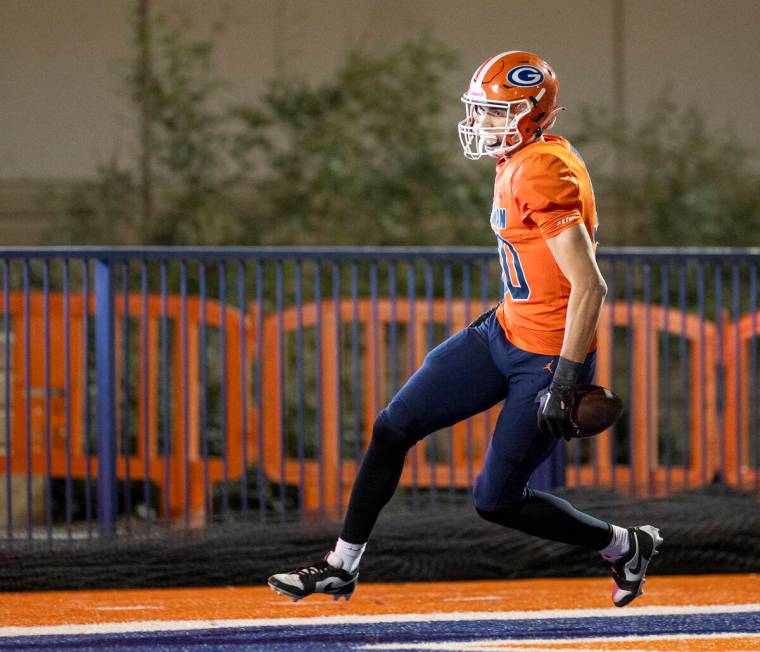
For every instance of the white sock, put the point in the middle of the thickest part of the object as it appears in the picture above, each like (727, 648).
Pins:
(619, 545)
(346, 555)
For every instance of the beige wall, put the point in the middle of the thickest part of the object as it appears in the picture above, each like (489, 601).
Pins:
(61, 111)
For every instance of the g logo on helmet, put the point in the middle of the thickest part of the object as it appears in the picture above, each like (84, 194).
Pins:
(525, 76)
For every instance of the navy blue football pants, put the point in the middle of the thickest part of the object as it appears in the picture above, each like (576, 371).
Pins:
(468, 373)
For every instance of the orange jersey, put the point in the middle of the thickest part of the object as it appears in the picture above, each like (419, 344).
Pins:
(541, 190)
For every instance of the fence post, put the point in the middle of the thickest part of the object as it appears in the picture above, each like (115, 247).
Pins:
(106, 395)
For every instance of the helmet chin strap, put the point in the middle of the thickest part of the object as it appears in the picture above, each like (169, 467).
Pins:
(539, 130)
(550, 123)
(502, 152)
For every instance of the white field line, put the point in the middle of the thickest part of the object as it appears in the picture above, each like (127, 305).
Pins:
(460, 616)
(522, 644)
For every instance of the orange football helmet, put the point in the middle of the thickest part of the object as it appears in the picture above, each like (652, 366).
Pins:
(518, 86)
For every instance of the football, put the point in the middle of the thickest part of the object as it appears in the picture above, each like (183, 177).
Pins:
(596, 409)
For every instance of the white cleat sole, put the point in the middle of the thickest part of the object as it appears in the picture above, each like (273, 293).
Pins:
(655, 534)
(623, 598)
(296, 598)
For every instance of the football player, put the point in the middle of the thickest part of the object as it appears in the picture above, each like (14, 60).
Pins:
(528, 352)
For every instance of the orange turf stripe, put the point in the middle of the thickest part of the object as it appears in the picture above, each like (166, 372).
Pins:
(80, 607)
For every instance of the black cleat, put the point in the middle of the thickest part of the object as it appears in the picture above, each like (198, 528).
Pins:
(629, 571)
(318, 578)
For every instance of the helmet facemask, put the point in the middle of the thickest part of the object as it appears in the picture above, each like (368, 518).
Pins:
(494, 141)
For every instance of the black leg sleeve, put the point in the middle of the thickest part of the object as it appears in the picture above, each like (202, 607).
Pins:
(549, 517)
(376, 481)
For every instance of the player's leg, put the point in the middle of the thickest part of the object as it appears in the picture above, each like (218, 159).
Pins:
(517, 448)
(457, 379)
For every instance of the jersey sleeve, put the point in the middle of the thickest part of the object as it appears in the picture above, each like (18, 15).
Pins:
(548, 194)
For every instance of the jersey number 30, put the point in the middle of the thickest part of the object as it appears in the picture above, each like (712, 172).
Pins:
(511, 271)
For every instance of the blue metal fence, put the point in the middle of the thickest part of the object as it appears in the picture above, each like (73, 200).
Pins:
(148, 387)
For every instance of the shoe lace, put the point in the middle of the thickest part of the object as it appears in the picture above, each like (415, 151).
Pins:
(312, 570)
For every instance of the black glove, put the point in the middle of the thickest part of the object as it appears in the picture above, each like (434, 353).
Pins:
(483, 316)
(555, 402)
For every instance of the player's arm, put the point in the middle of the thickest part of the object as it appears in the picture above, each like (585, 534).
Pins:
(574, 253)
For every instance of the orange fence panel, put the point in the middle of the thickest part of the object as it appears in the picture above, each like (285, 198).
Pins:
(335, 475)
(327, 481)
(186, 464)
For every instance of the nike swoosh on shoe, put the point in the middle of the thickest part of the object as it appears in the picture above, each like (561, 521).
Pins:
(629, 581)
(638, 557)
